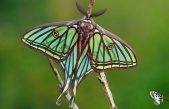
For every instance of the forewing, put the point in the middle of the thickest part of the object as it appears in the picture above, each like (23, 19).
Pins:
(109, 51)
(55, 40)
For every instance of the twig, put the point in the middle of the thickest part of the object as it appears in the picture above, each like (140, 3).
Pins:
(103, 81)
(89, 10)
(57, 75)
(102, 76)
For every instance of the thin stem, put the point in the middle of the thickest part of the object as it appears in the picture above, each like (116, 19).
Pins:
(89, 10)
(103, 81)
(57, 75)
(102, 76)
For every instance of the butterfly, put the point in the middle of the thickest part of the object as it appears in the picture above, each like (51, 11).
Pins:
(156, 97)
(80, 47)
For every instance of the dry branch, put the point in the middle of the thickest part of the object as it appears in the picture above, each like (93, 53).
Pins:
(102, 76)
(103, 81)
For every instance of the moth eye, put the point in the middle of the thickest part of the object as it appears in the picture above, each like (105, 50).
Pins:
(55, 34)
(110, 46)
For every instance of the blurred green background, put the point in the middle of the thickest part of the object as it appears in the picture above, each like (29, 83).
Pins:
(27, 81)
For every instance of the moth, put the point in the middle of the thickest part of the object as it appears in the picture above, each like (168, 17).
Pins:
(80, 47)
(158, 98)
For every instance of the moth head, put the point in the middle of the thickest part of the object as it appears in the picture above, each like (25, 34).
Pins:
(86, 26)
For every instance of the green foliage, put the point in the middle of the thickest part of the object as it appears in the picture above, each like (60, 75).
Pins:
(27, 81)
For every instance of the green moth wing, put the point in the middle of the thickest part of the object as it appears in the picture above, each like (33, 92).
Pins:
(108, 51)
(55, 40)
(80, 53)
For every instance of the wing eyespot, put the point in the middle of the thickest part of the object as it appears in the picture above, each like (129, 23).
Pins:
(55, 34)
(110, 46)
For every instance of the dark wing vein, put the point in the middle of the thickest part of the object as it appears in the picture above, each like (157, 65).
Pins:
(122, 53)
